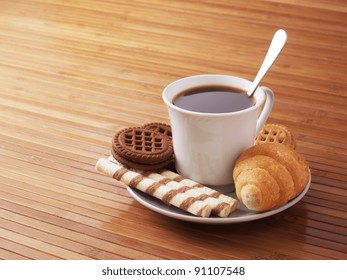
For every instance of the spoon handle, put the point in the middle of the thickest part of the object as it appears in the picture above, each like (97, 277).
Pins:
(277, 44)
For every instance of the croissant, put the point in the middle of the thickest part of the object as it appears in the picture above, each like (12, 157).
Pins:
(268, 175)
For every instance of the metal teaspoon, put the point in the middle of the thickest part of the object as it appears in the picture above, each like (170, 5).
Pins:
(277, 44)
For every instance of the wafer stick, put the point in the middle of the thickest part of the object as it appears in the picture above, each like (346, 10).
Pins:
(188, 182)
(153, 188)
(221, 205)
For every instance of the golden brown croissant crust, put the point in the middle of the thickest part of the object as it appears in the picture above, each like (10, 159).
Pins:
(268, 175)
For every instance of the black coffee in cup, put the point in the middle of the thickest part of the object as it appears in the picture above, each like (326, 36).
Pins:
(213, 99)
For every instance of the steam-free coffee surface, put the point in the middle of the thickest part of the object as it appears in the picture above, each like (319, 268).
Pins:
(213, 99)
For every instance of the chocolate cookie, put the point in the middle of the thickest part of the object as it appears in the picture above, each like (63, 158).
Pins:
(142, 146)
(140, 166)
(160, 128)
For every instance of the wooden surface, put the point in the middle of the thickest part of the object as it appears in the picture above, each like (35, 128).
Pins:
(72, 73)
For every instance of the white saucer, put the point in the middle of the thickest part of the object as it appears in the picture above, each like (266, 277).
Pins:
(242, 214)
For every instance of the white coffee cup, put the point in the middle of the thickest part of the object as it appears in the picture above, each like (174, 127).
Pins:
(206, 145)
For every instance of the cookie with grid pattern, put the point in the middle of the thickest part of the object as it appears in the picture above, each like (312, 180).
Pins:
(162, 128)
(276, 133)
(142, 146)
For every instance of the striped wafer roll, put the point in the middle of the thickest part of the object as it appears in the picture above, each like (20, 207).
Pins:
(190, 183)
(154, 188)
(221, 205)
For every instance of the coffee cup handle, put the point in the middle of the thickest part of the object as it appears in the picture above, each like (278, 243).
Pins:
(269, 102)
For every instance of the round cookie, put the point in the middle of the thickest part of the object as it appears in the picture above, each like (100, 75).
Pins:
(276, 133)
(140, 166)
(142, 146)
(160, 128)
